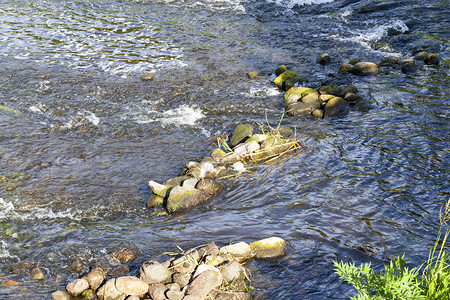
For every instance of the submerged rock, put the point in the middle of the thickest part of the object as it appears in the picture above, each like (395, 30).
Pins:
(336, 107)
(324, 59)
(37, 274)
(408, 65)
(148, 76)
(252, 74)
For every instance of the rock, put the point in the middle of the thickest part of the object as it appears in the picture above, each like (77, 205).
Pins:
(110, 292)
(238, 166)
(37, 274)
(421, 55)
(173, 287)
(284, 76)
(157, 291)
(158, 189)
(133, 298)
(291, 82)
(60, 295)
(408, 65)
(348, 89)
(182, 198)
(313, 97)
(182, 279)
(241, 251)
(259, 138)
(285, 132)
(124, 256)
(225, 295)
(336, 107)
(154, 272)
(241, 133)
(231, 271)
(280, 70)
(318, 113)
(205, 283)
(324, 59)
(388, 62)
(174, 295)
(209, 250)
(77, 266)
(154, 201)
(218, 154)
(431, 59)
(190, 183)
(229, 159)
(345, 68)
(246, 148)
(95, 278)
(131, 285)
(203, 268)
(192, 297)
(176, 181)
(252, 74)
(364, 68)
(325, 98)
(148, 76)
(301, 108)
(352, 98)
(354, 61)
(77, 286)
(269, 247)
(183, 264)
(296, 93)
(210, 186)
(88, 294)
(121, 270)
(329, 90)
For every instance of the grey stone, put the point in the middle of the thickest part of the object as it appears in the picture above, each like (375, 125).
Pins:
(352, 98)
(110, 291)
(60, 295)
(365, 68)
(182, 198)
(154, 272)
(174, 295)
(241, 132)
(131, 285)
(191, 182)
(96, 278)
(247, 148)
(232, 271)
(301, 108)
(348, 89)
(210, 186)
(157, 291)
(77, 286)
(240, 250)
(182, 279)
(324, 59)
(205, 283)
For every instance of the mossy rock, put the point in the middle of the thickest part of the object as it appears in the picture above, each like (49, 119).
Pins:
(301, 108)
(329, 90)
(318, 113)
(175, 181)
(154, 201)
(158, 189)
(296, 93)
(284, 76)
(345, 68)
(269, 247)
(182, 198)
(365, 68)
(280, 70)
(431, 59)
(348, 89)
(241, 133)
(408, 65)
(354, 61)
(218, 154)
(252, 74)
(336, 107)
(388, 62)
(291, 82)
(313, 97)
(352, 98)
(325, 97)
(421, 55)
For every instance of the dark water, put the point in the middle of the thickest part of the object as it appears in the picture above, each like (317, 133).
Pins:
(81, 134)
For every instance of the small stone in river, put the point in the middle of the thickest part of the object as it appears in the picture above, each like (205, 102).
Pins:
(37, 274)
(301, 108)
(77, 286)
(421, 55)
(348, 89)
(431, 59)
(60, 295)
(252, 74)
(352, 98)
(284, 76)
(280, 70)
(182, 198)
(124, 255)
(148, 76)
(131, 285)
(95, 278)
(77, 266)
(364, 68)
(154, 272)
(241, 133)
(269, 247)
(154, 201)
(336, 107)
(324, 59)
(408, 65)
(318, 113)
(345, 68)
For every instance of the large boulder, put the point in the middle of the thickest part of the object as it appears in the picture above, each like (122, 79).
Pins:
(185, 197)
(241, 133)
(336, 107)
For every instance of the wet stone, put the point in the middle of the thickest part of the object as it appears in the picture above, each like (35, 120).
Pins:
(60, 295)
(37, 274)
(77, 286)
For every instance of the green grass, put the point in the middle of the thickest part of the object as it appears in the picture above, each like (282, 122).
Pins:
(430, 281)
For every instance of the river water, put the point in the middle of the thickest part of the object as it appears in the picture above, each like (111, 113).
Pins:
(81, 134)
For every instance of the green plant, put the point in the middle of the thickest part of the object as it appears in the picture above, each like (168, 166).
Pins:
(399, 282)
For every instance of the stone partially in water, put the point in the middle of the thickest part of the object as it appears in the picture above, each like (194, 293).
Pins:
(158, 189)
(124, 256)
(210, 186)
(148, 76)
(352, 98)
(280, 70)
(408, 65)
(241, 251)
(329, 90)
(318, 113)
(431, 59)
(301, 108)
(345, 68)
(348, 89)
(232, 271)
(252, 74)
(324, 59)
(269, 247)
(182, 198)
(364, 68)
(336, 107)
(218, 154)
(60, 295)
(241, 133)
(284, 76)
(37, 274)
(154, 201)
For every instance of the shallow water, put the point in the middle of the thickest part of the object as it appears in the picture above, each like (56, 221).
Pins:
(82, 135)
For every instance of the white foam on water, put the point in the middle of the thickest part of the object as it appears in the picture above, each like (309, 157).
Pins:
(291, 3)
(261, 92)
(182, 115)
(9, 212)
(4, 253)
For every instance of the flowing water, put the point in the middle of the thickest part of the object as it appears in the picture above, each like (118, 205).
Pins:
(81, 134)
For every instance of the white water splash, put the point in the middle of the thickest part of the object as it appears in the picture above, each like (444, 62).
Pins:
(291, 3)
(183, 115)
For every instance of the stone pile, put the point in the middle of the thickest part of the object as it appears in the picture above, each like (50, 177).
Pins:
(199, 181)
(323, 102)
(209, 272)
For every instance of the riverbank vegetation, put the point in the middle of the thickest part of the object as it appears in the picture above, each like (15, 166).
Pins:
(431, 280)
